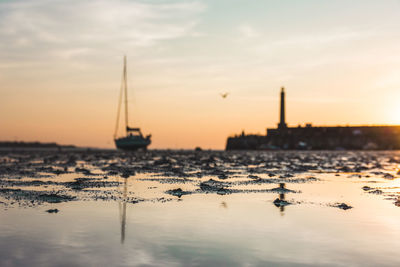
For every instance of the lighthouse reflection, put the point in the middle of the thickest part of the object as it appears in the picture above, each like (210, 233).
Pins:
(281, 202)
(122, 210)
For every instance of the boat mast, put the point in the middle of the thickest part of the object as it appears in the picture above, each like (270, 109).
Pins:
(121, 93)
(126, 96)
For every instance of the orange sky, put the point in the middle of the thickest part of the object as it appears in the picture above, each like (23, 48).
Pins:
(61, 67)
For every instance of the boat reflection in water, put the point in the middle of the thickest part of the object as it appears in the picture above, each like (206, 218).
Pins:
(122, 210)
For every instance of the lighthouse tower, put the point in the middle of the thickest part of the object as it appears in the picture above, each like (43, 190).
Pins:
(282, 123)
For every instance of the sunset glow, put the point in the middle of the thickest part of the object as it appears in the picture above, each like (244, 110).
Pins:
(61, 66)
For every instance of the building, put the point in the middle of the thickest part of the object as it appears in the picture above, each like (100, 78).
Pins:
(318, 138)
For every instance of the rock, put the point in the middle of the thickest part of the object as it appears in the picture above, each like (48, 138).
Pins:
(52, 211)
(366, 188)
(343, 206)
(125, 175)
(282, 190)
(280, 202)
(177, 192)
(222, 176)
(211, 185)
(376, 192)
(223, 191)
(83, 170)
(388, 176)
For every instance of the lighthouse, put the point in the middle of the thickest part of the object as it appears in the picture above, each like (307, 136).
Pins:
(282, 123)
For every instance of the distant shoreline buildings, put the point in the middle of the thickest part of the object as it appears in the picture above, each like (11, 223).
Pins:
(318, 138)
(21, 144)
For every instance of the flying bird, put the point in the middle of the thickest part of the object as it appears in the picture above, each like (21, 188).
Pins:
(224, 95)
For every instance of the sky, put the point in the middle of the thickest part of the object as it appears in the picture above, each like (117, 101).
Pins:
(61, 67)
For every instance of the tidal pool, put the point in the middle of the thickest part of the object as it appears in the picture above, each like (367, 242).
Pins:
(209, 208)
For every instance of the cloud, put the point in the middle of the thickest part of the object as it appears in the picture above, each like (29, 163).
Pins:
(30, 30)
(336, 36)
(248, 31)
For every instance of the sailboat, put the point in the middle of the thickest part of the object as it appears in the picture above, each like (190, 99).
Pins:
(133, 139)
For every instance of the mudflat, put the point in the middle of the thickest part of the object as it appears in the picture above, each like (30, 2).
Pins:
(199, 208)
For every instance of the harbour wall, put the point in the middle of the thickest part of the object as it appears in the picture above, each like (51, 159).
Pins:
(320, 138)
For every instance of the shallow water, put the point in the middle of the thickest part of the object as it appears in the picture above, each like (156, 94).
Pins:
(232, 209)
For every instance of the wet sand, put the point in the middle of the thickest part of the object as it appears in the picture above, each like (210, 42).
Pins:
(197, 189)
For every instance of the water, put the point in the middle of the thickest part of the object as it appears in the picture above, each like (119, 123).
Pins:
(134, 221)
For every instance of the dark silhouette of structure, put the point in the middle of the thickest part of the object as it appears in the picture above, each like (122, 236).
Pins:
(318, 138)
(133, 139)
(16, 144)
(282, 123)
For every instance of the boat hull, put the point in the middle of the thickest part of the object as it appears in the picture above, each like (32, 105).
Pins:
(132, 143)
